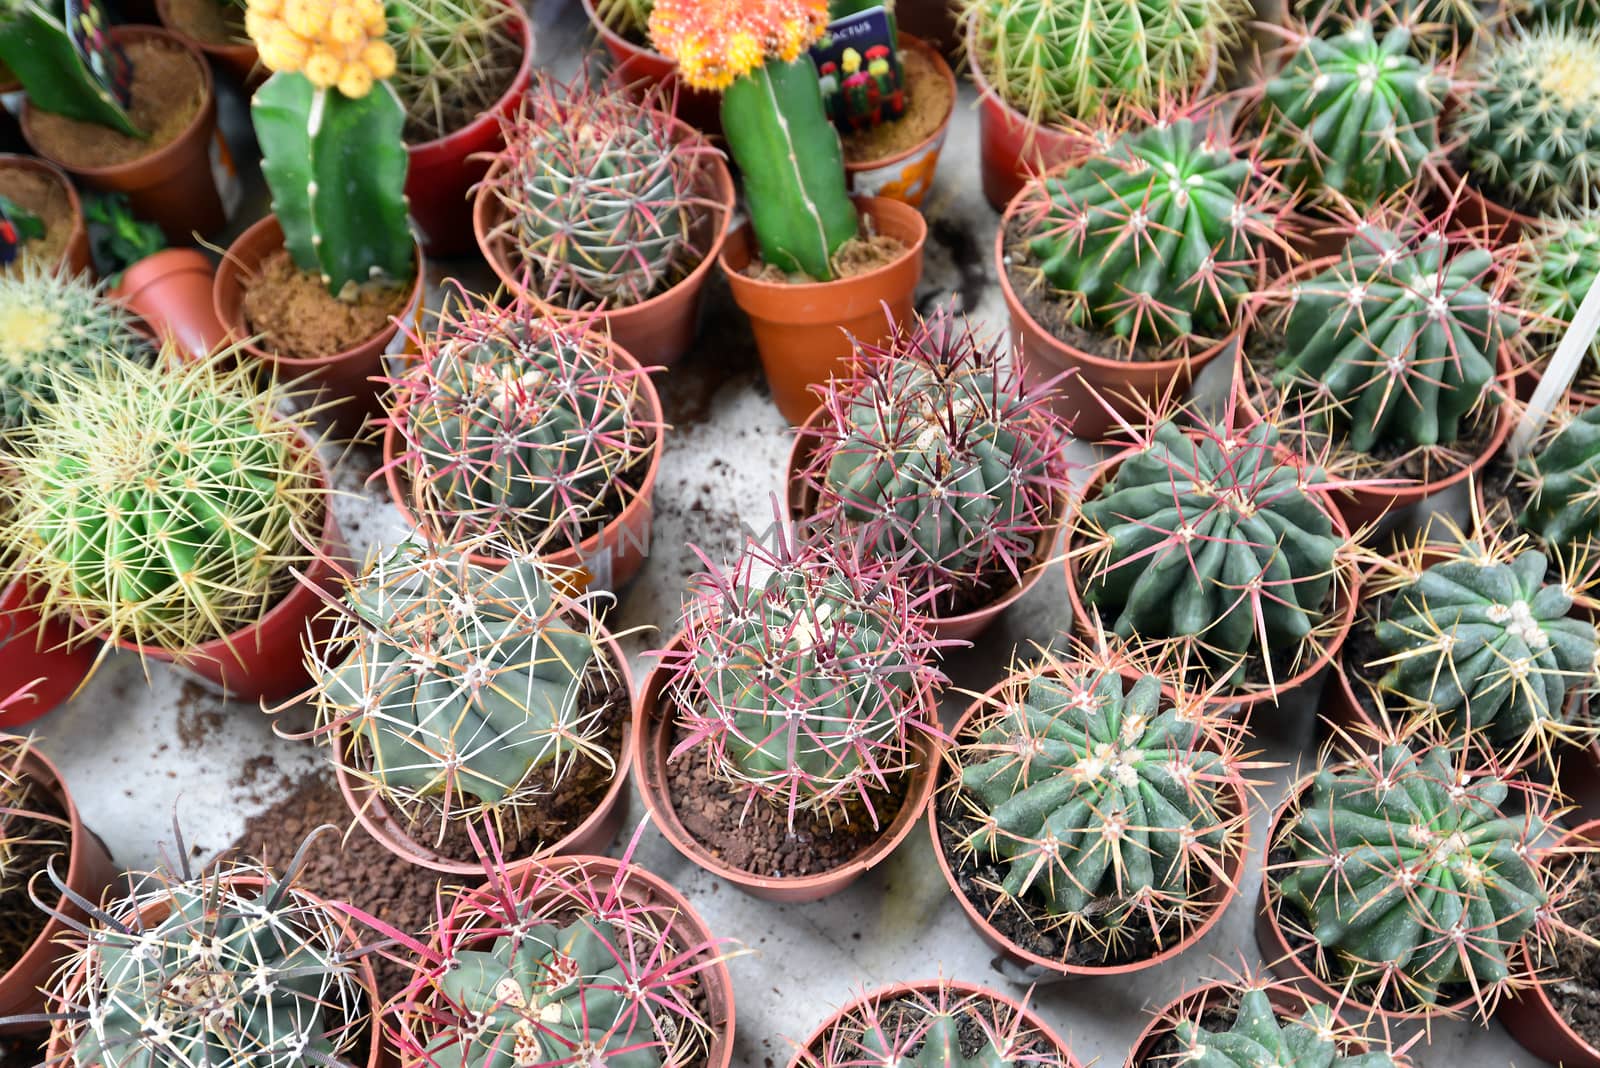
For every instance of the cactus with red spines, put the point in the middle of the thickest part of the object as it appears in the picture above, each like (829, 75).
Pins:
(926, 1029)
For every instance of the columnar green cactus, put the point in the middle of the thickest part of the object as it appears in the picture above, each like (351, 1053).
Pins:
(1158, 239)
(36, 46)
(1559, 264)
(1259, 1038)
(452, 61)
(1354, 115)
(1531, 124)
(1563, 481)
(1397, 343)
(1489, 644)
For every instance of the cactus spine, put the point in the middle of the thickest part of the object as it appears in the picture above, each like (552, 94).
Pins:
(1559, 264)
(1260, 1039)
(1563, 480)
(921, 1028)
(453, 60)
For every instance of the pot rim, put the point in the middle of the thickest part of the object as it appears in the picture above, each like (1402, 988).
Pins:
(941, 66)
(236, 50)
(40, 165)
(615, 39)
(872, 207)
(1588, 831)
(1279, 993)
(519, 84)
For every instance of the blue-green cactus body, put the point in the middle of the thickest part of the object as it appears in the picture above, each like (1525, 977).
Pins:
(941, 1048)
(1260, 1039)
(1564, 480)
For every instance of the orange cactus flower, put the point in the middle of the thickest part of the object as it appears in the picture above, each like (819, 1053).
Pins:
(715, 42)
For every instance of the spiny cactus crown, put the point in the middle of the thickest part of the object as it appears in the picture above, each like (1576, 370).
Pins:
(804, 674)
(1260, 1038)
(927, 1029)
(453, 60)
(629, 18)
(1563, 481)
(937, 455)
(1157, 239)
(1558, 265)
(1439, 28)
(1531, 124)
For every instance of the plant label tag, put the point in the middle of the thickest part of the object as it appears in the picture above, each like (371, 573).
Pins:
(858, 63)
(102, 57)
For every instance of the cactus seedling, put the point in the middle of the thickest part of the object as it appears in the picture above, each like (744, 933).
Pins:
(1260, 1038)
(453, 60)
(937, 455)
(922, 1028)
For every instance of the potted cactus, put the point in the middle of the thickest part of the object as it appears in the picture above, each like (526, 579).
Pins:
(795, 705)
(812, 268)
(942, 1022)
(623, 27)
(1559, 261)
(600, 206)
(1219, 550)
(215, 29)
(451, 695)
(936, 455)
(1136, 308)
(40, 202)
(1440, 30)
(315, 291)
(1554, 492)
(167, 508)
(535, 430)
(1089, 826)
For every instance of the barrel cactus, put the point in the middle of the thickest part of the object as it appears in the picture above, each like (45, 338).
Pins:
(1439, 29)
(936, 454)
(1157, 239)
(1560, 261)
(1353, 114)
(945, 1027)
(1563, 481)
(453, 60)
(1531, 124)
(1260, 1038)
(165, 505)
(803, 676)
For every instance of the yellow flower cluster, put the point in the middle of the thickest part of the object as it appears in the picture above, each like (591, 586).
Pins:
(334, 43)
(715, 42)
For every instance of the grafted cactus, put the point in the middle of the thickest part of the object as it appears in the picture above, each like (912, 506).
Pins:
(453, 60)
(1259, 1038)
(1558, 265)
(1563, 481)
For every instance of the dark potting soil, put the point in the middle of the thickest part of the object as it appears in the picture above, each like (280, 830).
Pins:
(216, 22)
(1574, 962)
(1216, 1017)
(907, 1015)
(467, 98)
(21, 921)
(298, 319)
(42, 196)
(757, 839)
(928, 101)
(862, 254)
(168, 90)
(22, 1051)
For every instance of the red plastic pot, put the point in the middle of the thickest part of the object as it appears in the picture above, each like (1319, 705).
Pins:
(803, 331)
(652, 743)
(353, 380)
(41, 650)
(90, 871)
(607, 559)
(237, 58)
(906, 175)
(75, 258)
(1287, 1002)
(184, 186)
(658, 331)
(649, 72)
(800, 503)
(1221, 895)
(171, 291)
(593, 835)
(443, 171)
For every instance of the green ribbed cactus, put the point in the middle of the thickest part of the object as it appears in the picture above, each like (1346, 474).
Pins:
(453, 60)
(1353, 114)
(1531, 123)
(37, 47)
(1156, 240)
(52, 325)
(1260, 1038)
(943, 1027)
(1563, 481)
(1397, 343)
(941, 1048)
(1558, 265)
(1440, 29)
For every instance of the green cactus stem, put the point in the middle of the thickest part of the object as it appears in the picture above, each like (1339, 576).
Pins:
(1563, 481)
(1260, 1038)
(35, 45)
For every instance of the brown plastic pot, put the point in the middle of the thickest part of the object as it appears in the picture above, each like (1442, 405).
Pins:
(649, 72)
(607, 559)
(800, 504)
(906, 175)
(171, 291)
(1496, 224)
(1287, 1002)
(593, 835)
(952, 990)
(351, 381)
(40, 650)
(652, 744)
(237, 58)
(443, 171)
(1221, 894)
(75, 258)
(658, 331)
(804, 331)
(90, 871)
(176, 185)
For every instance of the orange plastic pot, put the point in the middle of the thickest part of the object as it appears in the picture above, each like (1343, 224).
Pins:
(351, 381)
(1221, 894)
(38, 650)
(656, 332)
(800, 504)
(1012, 148)
(184, 186)
(171, 291)
(649, 72)
(443, 171)
(804, 331)
(907, 175)
(593, 835)
(1287, 1002)
(652, 743)
(75, 258)
(237, 58)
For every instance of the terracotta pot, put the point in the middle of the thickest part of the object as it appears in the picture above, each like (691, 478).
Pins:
(171, 291)
(800, 504)
(652, 742)
(352, 380)
(1221, 895)
(34, 648)
(803, 332)
(263, 661)
(1287, 1002)
(1130, 387)
(75, 258)
(907, 175)
(90, 871)
(1497, 224)
(187, 185)
(955, 991)
(1344, 609)
(154, 912)
(443, 171)
(237, 58)
(648, 71)
(658, 331)
(607, 559)
(593, 835)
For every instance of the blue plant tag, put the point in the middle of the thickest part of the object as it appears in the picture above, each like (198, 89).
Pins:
(858, 62)
(88, 30)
